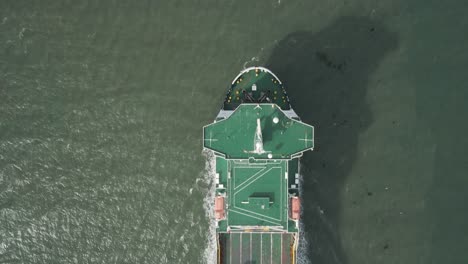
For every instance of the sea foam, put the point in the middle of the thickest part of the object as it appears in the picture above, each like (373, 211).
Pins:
(208, 176)
(302, 250)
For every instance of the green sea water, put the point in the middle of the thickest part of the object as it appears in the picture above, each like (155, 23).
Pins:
(102, 105)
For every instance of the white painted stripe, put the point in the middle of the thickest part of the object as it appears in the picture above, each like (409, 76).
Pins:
(271, 248)
(254, 175)
(259, 215)
(261, 248)
(263, 172)
(240, 249)
(250, 246)
(281, 248)
(237, 212)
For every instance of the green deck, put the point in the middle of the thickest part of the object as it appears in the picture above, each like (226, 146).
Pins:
(257, 194)
(234, 137)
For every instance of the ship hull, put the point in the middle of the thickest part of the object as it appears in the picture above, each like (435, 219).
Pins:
(257, 140)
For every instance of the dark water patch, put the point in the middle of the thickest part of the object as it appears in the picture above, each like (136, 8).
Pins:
(326, 74)
(438, 61)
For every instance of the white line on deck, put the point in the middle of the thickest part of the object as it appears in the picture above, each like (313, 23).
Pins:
(261, 248)
(237, 212)
(261, 173)
(240, 249)
(250, 246)
(230, 249)
(305, 139)
(259, 164)
(211, 139)
(281, 195)
(259, 214)
(281, 248)
(271, 248)
(262, 215)
(253, 175)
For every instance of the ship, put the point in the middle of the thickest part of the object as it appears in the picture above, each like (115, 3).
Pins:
(257, 140)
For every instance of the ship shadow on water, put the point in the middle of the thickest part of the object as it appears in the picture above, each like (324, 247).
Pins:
(326, 75)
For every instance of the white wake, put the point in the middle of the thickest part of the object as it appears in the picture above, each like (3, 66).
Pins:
(210, 255)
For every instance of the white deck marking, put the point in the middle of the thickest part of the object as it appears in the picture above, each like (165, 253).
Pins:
(257, 177)
(284, 188)
(240, 249)
(275, 229)
(230, 249)
(281, 248)
(211, 139)
(306, 140)
(237, 212)
(250, 246)
(254, 175)
(247, 212)
(261, 248)
(271, 248)
(281, 197)
(260, 163)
